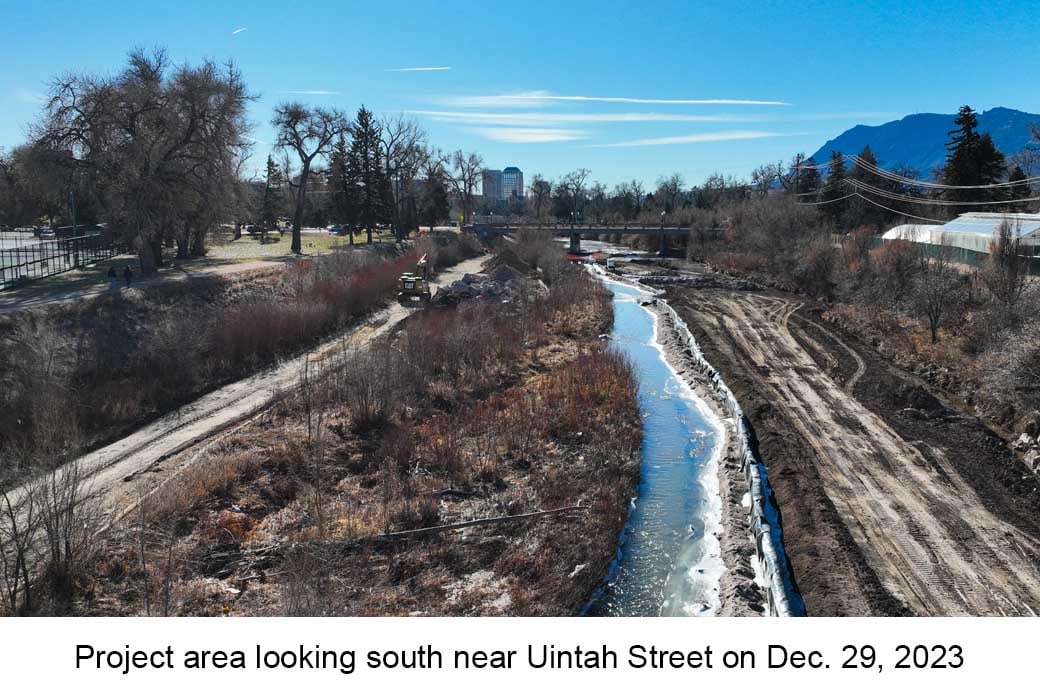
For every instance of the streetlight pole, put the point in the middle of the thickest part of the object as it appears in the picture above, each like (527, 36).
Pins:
(660, 247)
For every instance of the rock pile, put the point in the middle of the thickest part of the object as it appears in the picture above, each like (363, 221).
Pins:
(503, 284)
(1029, 446)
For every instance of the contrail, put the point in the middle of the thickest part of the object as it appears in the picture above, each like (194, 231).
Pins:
(239, 30)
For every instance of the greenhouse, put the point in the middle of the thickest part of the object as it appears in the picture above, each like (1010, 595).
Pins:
(971, 234)
(972, 230)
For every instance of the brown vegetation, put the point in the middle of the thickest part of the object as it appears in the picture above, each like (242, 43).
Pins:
(116, 361)
(964, 331)
(484, 410)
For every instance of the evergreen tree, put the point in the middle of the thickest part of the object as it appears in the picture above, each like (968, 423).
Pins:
(364, 163)
(344, 187)
(808, 180)
(272, 204)
(859, 211)
(435, 205)
(835, 189)
(1019, 190)
(862, 170)
(973, 160)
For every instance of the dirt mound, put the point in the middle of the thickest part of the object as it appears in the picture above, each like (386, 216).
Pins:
(509, 257)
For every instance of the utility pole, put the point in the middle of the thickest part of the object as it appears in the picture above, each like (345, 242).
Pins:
(797, 174)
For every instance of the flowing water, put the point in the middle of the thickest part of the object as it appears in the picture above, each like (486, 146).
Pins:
(668, 561)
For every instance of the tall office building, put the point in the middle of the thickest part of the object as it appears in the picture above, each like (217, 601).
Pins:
(512, 183)
(492, 184)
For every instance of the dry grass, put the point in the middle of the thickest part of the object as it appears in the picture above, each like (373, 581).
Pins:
(130, 357)
(209, 478)
(464, 414)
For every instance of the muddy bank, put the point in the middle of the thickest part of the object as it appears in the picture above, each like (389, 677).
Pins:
(889, 506)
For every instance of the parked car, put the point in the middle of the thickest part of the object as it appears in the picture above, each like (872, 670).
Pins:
(337, 229)
(252, 229)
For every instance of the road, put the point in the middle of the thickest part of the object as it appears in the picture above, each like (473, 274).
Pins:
(936, 540)
(120, 472)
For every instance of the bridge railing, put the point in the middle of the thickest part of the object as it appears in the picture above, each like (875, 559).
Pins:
(586, 228)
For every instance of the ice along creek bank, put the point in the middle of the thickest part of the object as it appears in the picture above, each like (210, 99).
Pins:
(669, 560)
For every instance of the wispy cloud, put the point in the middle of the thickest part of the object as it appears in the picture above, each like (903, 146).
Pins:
(309, 92)
(541, 98)
(543, 118)
(439, 68)
(530, 135)
(239, 30)
(29, 96)
(720, 136)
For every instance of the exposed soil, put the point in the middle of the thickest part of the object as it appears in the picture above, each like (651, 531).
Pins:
(893, 503)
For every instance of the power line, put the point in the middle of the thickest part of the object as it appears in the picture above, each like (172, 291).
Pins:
(902, 197)
(875, 203)
(892, 176)
(828, 202)
(899, 212)
(873, 168)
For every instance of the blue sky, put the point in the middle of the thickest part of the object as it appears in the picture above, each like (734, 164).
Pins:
(831, 65)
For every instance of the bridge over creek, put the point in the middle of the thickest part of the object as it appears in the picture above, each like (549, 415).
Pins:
(576, 231)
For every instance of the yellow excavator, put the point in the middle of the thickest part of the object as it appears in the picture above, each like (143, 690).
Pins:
(415, 287)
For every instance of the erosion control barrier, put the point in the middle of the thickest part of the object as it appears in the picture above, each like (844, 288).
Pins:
(782, 597)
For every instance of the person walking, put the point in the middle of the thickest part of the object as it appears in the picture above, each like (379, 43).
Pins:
(113, 280)
(128, 275)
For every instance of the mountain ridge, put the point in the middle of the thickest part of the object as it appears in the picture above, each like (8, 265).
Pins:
(919, 140)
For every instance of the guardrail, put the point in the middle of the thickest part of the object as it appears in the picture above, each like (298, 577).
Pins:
(23, 264)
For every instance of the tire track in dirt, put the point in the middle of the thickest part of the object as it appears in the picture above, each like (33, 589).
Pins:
(920, 527)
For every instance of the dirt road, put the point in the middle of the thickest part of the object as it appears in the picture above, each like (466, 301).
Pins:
(876, 521)
(122, 471)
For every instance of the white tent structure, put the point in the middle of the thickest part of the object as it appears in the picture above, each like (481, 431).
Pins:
(973, 232)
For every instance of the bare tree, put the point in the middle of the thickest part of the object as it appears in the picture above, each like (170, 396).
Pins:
(763, 178)
(670, 192)
(1005, 271)
(160, 145)
(938, 289)
(629, 199)
(404, 156)
(307, 133)
(19, 557)
(467, 170)
(540, 191)
(572, 188)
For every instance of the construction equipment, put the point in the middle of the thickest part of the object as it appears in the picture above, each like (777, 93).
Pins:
(415, 287)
